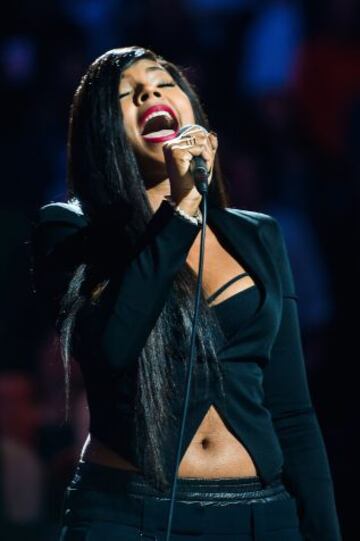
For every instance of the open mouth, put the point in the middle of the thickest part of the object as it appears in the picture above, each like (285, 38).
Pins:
(159, 124)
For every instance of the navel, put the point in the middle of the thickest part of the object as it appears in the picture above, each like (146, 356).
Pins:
(205, 442)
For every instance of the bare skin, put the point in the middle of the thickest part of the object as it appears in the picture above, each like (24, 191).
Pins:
(214, 451)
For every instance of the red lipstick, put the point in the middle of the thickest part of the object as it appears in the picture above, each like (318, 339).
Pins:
(153, 109)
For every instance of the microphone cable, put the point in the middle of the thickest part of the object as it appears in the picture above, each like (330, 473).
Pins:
(201, 181)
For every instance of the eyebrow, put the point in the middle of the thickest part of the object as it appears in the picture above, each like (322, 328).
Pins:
(152, 68)
(149, 68)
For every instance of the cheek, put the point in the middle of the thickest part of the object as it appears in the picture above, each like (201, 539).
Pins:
(128, 120)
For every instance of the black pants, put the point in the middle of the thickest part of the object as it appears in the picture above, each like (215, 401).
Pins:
(107, 504)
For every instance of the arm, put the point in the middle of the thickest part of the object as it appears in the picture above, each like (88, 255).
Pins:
(306, 468)
(116, 327)
(122, 320)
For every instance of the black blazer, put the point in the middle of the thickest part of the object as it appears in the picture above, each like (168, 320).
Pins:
(268, 405)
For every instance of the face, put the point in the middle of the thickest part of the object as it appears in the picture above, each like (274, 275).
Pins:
(154, 108)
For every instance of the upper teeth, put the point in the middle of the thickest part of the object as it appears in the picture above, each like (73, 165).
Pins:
(157, 113)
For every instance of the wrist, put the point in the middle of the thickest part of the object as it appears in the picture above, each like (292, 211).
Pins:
(188, 204)
(188, 210)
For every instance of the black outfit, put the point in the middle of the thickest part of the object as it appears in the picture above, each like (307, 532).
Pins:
(267, 402)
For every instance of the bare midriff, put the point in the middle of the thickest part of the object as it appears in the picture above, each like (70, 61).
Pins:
(214, 451)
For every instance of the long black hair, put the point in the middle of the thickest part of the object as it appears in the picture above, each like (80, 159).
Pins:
(104, 179)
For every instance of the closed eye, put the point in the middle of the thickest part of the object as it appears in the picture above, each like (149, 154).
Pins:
(161, 85)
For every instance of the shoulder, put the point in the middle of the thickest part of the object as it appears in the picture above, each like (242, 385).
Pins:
(272, 237)
(68, 213)
(56, 222)
(257, 219)
(263, 225)
(59, 229)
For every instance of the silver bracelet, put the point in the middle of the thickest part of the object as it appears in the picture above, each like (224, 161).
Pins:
(196, 219)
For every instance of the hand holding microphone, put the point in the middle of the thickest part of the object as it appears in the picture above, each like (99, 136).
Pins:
(187, 157)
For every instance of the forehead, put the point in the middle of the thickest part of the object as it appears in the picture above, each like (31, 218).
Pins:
(142, 67)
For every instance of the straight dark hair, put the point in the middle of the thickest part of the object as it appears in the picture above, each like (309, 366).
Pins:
(104, 179)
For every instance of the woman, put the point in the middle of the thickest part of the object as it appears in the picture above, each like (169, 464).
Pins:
(118, 265)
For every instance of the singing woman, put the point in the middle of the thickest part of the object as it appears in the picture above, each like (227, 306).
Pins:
(117, 264)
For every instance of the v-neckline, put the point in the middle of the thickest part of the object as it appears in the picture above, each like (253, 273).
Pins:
(227, 284)
(238, 235)
(241, 236)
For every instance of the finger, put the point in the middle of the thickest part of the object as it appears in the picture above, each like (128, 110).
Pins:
(205, 150)
(187, 141)
(187, 145)
(209, 144)
(195, 150)
(184, 145)
(213, 140)
(190, 141)
(210, 140)
(194, 132)
(209, 154)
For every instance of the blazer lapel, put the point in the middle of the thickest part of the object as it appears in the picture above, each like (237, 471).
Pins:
(239, 234)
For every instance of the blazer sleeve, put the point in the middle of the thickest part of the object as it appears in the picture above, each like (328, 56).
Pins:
(114, 329)
(306, 468)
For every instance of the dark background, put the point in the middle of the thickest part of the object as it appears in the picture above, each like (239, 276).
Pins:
(280, 81)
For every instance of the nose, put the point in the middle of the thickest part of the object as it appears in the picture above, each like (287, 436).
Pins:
(145, 93)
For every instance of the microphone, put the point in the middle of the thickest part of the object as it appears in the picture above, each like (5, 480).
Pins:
(198, 167)
(200, 174)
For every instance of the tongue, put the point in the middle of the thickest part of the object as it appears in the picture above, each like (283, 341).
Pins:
(160, 133)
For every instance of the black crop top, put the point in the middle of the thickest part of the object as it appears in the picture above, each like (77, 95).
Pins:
(267, 403)
(237, 308)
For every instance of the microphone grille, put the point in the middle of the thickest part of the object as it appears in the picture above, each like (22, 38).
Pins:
(186, 127)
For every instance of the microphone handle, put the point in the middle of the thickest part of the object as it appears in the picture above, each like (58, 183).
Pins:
(200, 174)
(198, 165)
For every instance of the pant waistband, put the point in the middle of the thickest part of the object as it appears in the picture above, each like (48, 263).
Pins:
(106, 478)
(218, 506)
